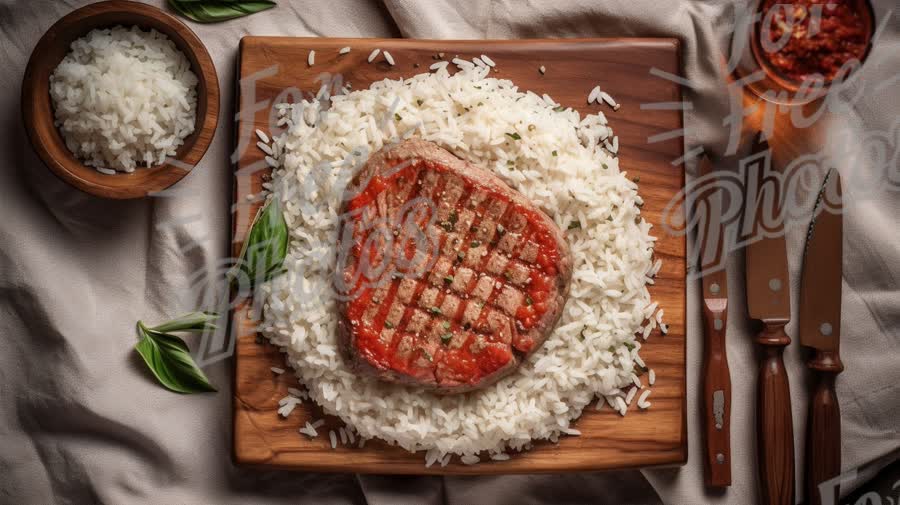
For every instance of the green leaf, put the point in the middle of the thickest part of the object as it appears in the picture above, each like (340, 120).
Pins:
(194, 321)
(212, 11)
(266, 245)
(574, 225)
(514, 136)
(169, 358)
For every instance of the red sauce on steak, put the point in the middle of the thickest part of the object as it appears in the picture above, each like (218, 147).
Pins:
(468, 349)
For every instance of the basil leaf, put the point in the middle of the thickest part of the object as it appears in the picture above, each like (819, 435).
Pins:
(195, 321)
(212, 11)
(266, 245)
(169, 358)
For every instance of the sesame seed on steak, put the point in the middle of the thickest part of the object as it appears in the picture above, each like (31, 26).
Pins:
(449, 278)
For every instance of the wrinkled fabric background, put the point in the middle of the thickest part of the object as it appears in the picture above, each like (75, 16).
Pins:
(81, 421)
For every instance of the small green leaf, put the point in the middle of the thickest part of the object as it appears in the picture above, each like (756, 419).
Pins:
(446, 337)
(214, 11)
(434, 310)
(574, 225)
(514, 136)
(559, 108)
(266, 245)
(398, 117)
(554, 153)
(194, 321)
(170, 361)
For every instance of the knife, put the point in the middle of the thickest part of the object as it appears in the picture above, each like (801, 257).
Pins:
(769, 301)
(820, 330)
(716, 377)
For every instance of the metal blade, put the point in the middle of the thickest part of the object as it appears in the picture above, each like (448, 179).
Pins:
(768, 283)
(820, 284)
(712, 238)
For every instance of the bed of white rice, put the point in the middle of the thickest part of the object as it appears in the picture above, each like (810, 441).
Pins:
(124, 98)
(560, 162)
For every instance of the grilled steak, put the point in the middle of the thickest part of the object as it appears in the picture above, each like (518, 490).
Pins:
(449, 277)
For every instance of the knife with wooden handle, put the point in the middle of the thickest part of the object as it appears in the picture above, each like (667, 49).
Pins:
(716, 377)
(769, 301)
(820, 330)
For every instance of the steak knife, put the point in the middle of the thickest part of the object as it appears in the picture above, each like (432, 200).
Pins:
(769, 301)
(820, 330)
(716, 377)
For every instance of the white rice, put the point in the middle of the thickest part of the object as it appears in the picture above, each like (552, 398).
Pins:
(107, 171)
(630, 395)
(311, 59)
(265, 148)
(488, 61)
(344, 50)
(588, 354)
(277, 370)
(652, 378)
(333, 438)
(262, 136)
(389, 58)
(124, 98)
(439, 65)
(542, 70)
(642, 401)
(374, 54)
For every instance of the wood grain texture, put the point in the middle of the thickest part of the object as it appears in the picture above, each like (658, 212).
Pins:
(823, 431)
(269, 65)
(716, 378)
(774, 425)
(37, 108)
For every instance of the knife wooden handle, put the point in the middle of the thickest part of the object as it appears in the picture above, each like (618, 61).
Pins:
(823, 431)
(716, 398)
(774, 423)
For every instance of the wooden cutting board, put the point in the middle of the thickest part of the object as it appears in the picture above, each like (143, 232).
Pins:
(622, 67)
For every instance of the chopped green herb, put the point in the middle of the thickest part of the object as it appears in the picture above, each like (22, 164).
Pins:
(477, 87)
(435, 311)
(510, 163)
(575, 225)
(388, 325)
(559, 108)
(629, 345)
(446, 337)
(604, 165)
(480, 104)
(514, 136)
(398, 117)
(453, 216)
(460, 256)
(447, 225)
(554, 153)
(448, 279)
(427, 355)
(528, 301)
(446, 325)
(475, 243)
(419, 101)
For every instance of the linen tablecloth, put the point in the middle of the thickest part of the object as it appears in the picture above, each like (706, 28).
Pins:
(81, 421)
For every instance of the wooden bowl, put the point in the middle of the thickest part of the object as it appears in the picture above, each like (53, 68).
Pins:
(37, 109)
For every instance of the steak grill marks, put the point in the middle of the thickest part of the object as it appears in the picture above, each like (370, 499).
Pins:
(488, 276)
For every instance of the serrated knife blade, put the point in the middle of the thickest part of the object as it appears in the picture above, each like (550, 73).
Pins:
(820, 330)
(820, 282)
